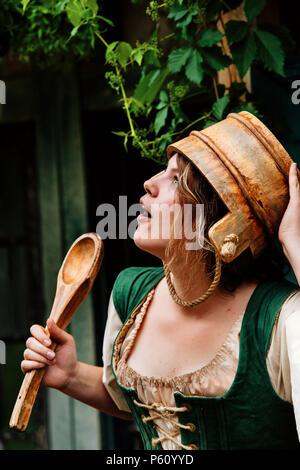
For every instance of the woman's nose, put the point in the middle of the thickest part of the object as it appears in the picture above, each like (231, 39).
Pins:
(147, 187)
(151, 187)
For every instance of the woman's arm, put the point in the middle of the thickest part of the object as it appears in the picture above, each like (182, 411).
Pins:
(289, 230)
(86, 385)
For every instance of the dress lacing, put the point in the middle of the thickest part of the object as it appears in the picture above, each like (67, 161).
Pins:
(167, 413)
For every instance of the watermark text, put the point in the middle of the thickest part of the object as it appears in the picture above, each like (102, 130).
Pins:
(158, 222)
(296, 94)
(2, 92)
(2, 352)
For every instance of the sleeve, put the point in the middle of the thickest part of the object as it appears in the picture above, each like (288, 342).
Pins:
(283, 360)
(112, 328)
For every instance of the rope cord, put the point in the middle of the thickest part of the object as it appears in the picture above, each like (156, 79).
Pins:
(204, 296)
(228, 249)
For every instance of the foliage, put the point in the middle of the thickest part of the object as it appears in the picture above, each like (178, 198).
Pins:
(178, 87)
(49, 31)
(177, 84)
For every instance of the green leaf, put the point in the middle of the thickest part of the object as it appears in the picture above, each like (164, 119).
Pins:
(219, 106)
(146, 93)
(282, 33)
(92, 5)
(123, 51)
(164, 100)
(122, 134)
(110, 48)
(137, 55)
(186, 20)
(235, 30)
(151, 59)
(60, 6)
(269, 51)
(178, 58)
(106, 20)
(74, 12)
(160, 119)
(215, 58)
(180, 116)
(194, 69)
(252, 8)
(210, 37)
(160, 105)
(163, 96)
(177, 12)
(74, 31)
(243, 54)
(24, 4)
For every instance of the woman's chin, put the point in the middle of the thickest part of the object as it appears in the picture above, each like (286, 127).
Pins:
(152, 246)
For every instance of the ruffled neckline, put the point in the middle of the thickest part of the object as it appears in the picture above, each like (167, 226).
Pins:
(217, 361)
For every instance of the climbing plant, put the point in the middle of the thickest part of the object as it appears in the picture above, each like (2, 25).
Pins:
(47, 32)
(177, 85)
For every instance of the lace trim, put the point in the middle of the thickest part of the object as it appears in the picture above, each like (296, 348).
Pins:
(123, 332)
(179, 380)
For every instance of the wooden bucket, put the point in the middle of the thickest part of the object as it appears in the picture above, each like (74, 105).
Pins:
(249, 169)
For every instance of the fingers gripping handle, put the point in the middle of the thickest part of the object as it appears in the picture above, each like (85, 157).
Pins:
(26, 397)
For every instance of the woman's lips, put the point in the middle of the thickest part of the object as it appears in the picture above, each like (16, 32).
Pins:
(143, 218)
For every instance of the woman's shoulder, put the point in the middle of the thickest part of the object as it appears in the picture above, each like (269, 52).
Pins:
(292, 302)
(133, 274)
(132, 285)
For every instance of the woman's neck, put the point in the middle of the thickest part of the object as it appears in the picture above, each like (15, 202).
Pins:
(190, 286)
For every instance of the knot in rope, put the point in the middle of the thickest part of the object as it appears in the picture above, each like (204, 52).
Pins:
(229, 245)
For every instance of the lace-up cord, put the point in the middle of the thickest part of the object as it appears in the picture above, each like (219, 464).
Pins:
(158, 413)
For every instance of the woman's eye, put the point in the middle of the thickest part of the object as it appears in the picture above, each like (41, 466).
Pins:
(175, 180)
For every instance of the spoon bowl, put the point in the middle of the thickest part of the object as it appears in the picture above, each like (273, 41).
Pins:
(79, 260)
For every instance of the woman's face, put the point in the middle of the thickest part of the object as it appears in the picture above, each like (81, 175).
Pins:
(159, 203)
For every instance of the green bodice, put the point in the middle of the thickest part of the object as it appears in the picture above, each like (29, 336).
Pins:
(250, 415)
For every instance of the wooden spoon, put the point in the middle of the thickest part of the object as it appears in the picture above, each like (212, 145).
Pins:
(74, 281)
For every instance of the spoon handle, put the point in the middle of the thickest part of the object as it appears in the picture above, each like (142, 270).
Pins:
(26, 398)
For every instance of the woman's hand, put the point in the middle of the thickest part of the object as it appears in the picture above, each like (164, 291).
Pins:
(289, 230)
(81, 381)
(61, 365)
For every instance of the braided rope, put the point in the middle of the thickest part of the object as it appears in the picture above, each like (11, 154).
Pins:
(203, 297)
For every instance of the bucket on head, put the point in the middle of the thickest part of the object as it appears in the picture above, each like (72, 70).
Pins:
(249, 169)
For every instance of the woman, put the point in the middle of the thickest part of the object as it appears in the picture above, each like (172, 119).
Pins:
(192, 376)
